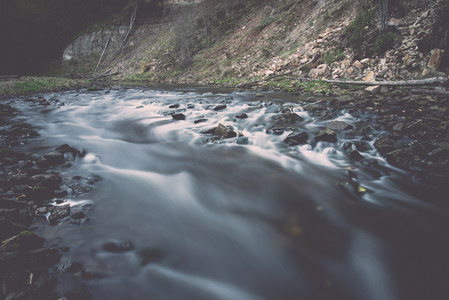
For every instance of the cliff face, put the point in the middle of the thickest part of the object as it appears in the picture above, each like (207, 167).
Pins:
(231, 42)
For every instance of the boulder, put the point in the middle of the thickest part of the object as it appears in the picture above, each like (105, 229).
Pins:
(384, 145)
(286, 119)
(436, 59)
(223, 131)
(53, 158)
(58, 213)
(241, 116)
(339, 125)
(178, 117)
(326, 135)
(296, 138)
(220, 107)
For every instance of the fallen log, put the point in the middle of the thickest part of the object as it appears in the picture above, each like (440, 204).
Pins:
(433, 92)
(417, 82)
(10, 76)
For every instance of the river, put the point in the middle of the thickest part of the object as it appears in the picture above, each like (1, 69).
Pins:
(212, 219)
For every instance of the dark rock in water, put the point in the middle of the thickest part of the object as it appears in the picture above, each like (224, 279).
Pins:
(28, 241)
(361, 146)
(339, 125)
(49, 181)
(241, 116)
(199, 121)
(223, 131)
(190, 105)
(355, 155)
(209, 131)
(58, 213)
(242, 140)
(178, 117)
(118, 246)
(54, 158)
(399, 158)
(296, 138)
(220, 107)
(43, 283)
(79, 294)
(150, 255)
(174, 106)
(70, 267)
(66, 148)
(286, 119)
(384, 145)
(78, 215)
(275, 131)
(38, 195)
(326, 135)
(43, 258)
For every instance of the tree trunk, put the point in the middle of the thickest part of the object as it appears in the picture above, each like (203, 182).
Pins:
(383, 10)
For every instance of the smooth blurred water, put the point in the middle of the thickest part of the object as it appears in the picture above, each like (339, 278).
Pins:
(256, 221)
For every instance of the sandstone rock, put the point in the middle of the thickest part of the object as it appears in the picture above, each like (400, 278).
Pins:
(358, 64)
(369, 76)
(435, 59)
(365, 61)
(373, 89)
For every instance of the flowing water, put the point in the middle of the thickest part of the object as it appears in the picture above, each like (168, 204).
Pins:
(215, 219)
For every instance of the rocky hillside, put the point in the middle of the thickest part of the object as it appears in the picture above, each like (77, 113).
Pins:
(235, 42)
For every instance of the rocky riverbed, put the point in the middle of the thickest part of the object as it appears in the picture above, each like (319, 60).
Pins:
(410, 131)
(32, 192)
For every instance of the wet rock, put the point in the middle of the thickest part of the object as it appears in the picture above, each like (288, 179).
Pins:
(326, 135)
(78, 215)
(241, 116)
(43, 284)
(199, 121)
(49, 181)
(384, 145)
(54, 158)
(339, 125)
(223, 131)
(78, 294)
(28, 241)
(178, 117)
(242, 141)
(286, 119)
(70, 267)
(38, 195)
(58, 213)
(399, 158)
(220, 107)
(361, 146)
(296, 138)
(43, 258)
(355, 155)
(118, 246)
(174, 106)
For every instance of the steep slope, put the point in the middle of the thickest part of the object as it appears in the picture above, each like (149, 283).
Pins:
(232, 42)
